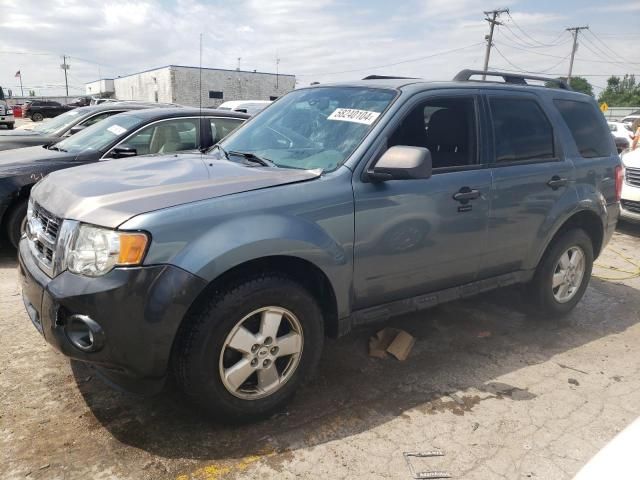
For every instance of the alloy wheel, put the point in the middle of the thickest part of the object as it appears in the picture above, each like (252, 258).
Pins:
(568, 274)
(261, 353)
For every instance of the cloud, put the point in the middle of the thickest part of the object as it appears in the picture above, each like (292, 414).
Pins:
(315, 40)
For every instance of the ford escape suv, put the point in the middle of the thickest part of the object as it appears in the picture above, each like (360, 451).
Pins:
(336, 206)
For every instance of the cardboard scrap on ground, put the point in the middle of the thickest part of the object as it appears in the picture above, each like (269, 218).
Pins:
(391, 341)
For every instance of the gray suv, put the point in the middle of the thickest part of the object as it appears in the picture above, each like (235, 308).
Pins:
(337, 206)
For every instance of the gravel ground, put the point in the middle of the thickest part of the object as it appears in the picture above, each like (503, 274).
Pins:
(503, 394)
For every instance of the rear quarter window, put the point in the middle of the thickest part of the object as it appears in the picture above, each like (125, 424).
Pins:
(587, 128)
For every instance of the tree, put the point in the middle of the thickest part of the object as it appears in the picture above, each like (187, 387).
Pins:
(1, 94)
(32, 93)
(621, 92)
(579, 84)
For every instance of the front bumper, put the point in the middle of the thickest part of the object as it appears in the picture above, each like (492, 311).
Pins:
(139, 310)
(630, 203)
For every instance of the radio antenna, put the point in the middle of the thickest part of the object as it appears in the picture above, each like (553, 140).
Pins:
(200, 85)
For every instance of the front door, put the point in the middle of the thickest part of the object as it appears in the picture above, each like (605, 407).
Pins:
(418, 236)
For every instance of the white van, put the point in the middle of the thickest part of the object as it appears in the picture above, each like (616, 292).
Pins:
(245, 106)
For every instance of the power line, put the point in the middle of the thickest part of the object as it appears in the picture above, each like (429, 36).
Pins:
(535, 41)
(609, 48)
(445, 52)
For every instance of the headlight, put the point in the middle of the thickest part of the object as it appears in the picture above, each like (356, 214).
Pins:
(95, 250)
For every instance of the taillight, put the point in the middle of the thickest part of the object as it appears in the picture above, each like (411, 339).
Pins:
(619, 179)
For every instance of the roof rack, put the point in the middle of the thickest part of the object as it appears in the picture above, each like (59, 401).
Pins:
(385, 77)
(513, 78)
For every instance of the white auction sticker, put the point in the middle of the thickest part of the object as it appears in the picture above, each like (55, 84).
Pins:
(352, 115)
(117, 129)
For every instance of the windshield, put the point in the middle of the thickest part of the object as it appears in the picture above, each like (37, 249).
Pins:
(101, 135)
(60, 122)
(312, 128)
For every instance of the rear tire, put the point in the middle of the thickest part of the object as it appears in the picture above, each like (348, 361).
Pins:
(10, 126)
(558, 285)
(37, 117)
(204, 357)
(16, 219)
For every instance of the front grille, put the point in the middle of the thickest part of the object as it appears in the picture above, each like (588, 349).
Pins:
(42, 232)
(631, 205)
(632, 176)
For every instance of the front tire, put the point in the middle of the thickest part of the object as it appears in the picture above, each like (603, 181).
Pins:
(563, 274)
(244, 353)
(16, 220)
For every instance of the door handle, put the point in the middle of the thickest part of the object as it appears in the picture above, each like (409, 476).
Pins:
(465, 194)
(556, 182)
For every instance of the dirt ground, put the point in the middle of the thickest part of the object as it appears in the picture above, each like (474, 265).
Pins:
(503, 394)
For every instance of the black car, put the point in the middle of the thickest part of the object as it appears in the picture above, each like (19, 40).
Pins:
(38, 110)
(66, 124)
(140, 132)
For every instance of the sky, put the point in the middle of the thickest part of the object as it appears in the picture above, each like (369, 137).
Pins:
(316, 40)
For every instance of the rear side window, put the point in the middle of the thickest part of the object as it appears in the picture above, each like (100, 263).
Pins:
(521, 130)
(584, 121)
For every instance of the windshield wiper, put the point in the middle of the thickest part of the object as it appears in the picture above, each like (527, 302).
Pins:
(252, 157)
(217, 145)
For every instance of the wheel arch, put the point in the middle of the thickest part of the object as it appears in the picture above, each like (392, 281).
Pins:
(587, 220)
(303, 271)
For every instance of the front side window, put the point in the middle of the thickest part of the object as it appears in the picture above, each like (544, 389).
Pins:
(221, 127)
(446, 126)
(312, 128)
(167, 136)
(585, 124)
(521, 130)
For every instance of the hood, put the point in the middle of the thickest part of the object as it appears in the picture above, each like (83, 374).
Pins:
(632, 159)
(31, 159)
(109, 193)
(18, 133)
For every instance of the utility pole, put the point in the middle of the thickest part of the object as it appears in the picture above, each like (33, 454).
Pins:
(575, 31)
(491, 17)
(65, 67)
(277, 70)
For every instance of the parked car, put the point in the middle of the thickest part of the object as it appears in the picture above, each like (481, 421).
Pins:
(622, 135)
(337, 206)
(38, 110)
(65, 125)
(630, 202)
(245, 106)
(100, 100)
(138, 132)
(6, 115)
(629, 119)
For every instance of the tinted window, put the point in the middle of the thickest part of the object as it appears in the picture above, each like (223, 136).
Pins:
(585, 123)
(446, 126)
(521, 130)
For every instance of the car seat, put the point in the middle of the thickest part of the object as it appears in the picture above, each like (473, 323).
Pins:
(165, 139)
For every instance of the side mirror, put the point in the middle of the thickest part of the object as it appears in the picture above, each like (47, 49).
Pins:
(122, 151)
(75, 129)
(402, 163)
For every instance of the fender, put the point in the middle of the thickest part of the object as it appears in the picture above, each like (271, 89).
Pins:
(312, 221)
(592, 201)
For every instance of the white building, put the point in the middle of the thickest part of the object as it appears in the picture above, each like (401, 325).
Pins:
(103, 87)
(180, 84)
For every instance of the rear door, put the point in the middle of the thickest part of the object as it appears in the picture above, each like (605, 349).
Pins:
(531, 178)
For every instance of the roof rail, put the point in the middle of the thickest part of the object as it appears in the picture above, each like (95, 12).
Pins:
(513, 78)
(385, 77)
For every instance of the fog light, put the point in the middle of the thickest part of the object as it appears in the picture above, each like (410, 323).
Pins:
(84, 333)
